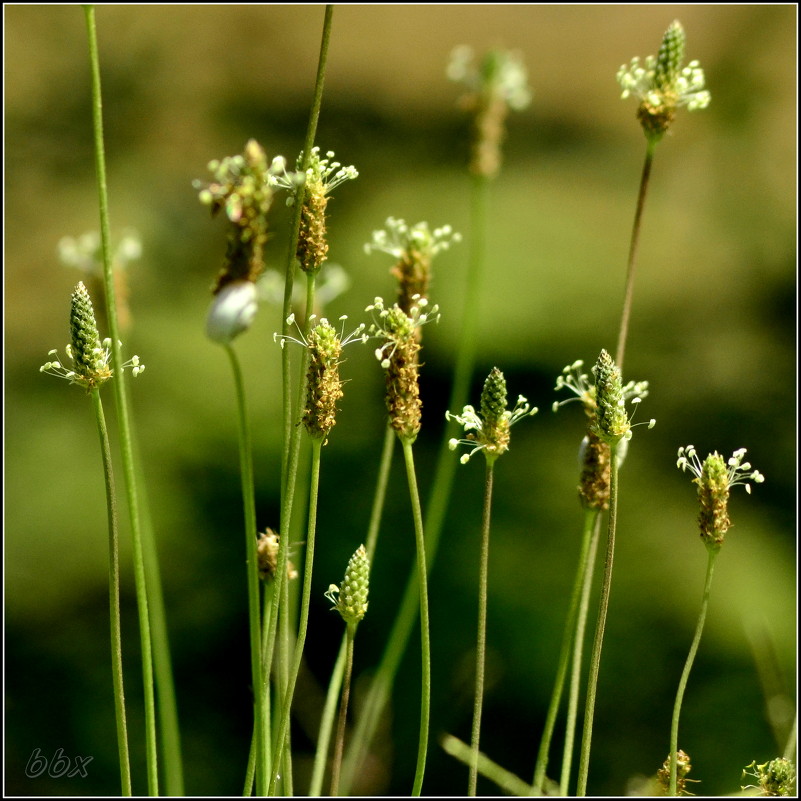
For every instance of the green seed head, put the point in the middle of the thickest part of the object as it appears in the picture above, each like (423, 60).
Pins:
(670, 56)
(87, 352)
(350, 598)
(323, 386)
(612, 423)
(662, 84)
(713, 498)
(774, 778)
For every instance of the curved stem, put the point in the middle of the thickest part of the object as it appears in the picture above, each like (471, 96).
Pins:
(600, 626)
(114, 596)
(674, 726)
(425, 642)
(632, 263)
(569, 637)
(481, 640)
(251, 552)
(283, 728)
(343, 710)
(578, 650)
(126, 447)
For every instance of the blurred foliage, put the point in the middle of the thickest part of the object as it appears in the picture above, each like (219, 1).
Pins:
(712, 330)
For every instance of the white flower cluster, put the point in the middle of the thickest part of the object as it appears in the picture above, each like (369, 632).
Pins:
(501, 73)
(737, 469)
(399, 238)
(687, 89)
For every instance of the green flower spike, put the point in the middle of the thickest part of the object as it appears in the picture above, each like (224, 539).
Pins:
(414, 247)
(322, 177)
(399, 357)
(715, 477)
(323, 385)
(774, 778)
(488, 430)
(612, 423)
(594, 453)
(90, 356)
(350, 598)
(662, 85)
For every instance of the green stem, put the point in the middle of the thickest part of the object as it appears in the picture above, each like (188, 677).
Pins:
(250, 771)
(600, 626)
(425, 643)
(251, 553)
(384, 678)
(792, 740)
(578, 650)
(343, 710)
(291, 436)
(123, 422)
(674, 726)
(632, 263)
(481, 639)
(506, 780)
(317, 444)
(380, 493)
(569, 637)
(114, 597)
(327, 721)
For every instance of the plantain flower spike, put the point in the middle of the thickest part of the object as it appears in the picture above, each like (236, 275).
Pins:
(683, 767)
(322, 176)
(267, 552)
(399, 356)
(90, 357)
(663, 85)
(612, 423)
(414, 247)
(243, 186)
(495, 85)
(350, 598)
(774, 778)
(323, 385)
(715, 477)
(488, 429)
(594, 452)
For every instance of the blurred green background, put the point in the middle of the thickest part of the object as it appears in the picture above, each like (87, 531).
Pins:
(713, 330)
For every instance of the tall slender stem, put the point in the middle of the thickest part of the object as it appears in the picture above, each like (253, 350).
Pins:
(600, 626)
(343, 710)
(481, 639)
(126, 447)
(251, 552)
(291, 436)
(674, 726)
(114, 597)
(578, 650)
(327, 720)
(280, 742)
(632, 264)
(439, 497)
(568, 639)
(335, 683)
(425, 642)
